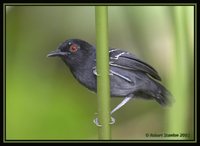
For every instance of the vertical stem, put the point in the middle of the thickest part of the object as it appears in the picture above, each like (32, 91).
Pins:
(178, 114)
(103, 81)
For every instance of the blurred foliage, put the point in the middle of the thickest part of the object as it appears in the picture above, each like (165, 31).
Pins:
(44, 101)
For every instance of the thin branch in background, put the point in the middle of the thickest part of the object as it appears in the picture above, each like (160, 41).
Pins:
(178, 113)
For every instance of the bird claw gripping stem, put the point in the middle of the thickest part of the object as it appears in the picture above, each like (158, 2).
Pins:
(96, 122)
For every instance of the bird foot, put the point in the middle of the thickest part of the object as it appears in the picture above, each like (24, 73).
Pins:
(96, 122)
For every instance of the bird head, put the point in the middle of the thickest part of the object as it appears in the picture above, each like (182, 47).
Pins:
(73, 52)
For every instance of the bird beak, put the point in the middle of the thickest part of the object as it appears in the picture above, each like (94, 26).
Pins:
(56, 53)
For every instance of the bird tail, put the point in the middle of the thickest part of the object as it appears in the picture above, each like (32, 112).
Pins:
(162, 95)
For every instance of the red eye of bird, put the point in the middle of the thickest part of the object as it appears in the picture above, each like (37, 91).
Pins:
(73, 48)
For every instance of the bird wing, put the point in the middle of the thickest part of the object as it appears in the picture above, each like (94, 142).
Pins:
(125, 60)
(113, 73)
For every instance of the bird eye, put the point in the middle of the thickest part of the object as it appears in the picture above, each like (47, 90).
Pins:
(73, 48)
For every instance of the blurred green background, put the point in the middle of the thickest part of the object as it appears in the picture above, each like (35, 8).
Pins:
(44, 101)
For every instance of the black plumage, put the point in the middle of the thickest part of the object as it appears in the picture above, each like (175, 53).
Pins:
(130, 77)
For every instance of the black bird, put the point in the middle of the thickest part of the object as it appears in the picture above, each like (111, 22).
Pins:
(130, 77)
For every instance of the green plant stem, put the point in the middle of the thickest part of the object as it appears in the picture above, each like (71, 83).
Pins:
(103, 81)
(178, 113)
